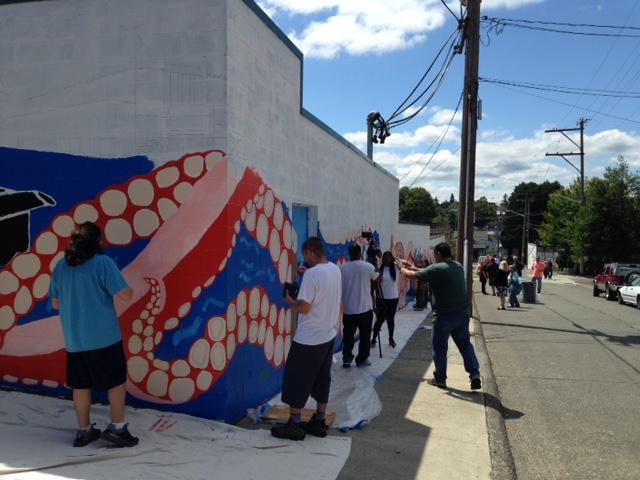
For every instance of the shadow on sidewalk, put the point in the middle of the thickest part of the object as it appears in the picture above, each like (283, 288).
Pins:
(486, 399)
(393, 445)
(627, 340)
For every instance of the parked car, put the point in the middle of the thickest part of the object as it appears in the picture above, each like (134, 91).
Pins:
(630, 293)
(613, 276)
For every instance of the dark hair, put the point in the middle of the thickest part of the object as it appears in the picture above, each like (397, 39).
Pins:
(85, 244)
(313, 245)
(392, 268)
(443, 249)
(355, 252)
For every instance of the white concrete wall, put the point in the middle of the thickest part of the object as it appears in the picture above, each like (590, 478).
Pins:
(299, 159)
(113, 78)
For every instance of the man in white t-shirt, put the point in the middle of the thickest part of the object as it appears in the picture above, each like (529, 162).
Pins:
(307, 370)
(357, 307)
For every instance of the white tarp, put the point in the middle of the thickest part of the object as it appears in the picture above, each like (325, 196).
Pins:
(353, 397)
(36, 435)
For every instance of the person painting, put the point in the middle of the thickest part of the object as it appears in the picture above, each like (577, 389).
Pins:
(82, 289)
(388, 279)
(357, 306)
(307, 370)
(447, 280)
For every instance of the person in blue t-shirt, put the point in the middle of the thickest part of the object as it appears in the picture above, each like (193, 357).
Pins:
(82, 289)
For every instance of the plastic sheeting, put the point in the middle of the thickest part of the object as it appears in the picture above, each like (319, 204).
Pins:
(353, 396)
(36, 434)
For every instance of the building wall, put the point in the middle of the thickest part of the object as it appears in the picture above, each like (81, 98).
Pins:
(177, 127)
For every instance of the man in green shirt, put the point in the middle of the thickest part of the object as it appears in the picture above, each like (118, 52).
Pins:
(449, 287)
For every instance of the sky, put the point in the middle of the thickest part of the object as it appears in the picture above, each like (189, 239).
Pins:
(367, 55)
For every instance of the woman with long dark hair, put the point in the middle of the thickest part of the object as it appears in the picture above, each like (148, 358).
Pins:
(388, 279)
(82, 289)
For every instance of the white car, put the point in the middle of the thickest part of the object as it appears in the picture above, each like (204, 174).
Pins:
(630, 293)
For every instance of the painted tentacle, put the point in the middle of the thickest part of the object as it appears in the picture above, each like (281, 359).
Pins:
(126, 213)
(265, 325)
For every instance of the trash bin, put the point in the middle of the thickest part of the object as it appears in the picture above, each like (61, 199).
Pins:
(528, 292)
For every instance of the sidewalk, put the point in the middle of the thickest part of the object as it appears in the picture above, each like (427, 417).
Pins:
(423, 432)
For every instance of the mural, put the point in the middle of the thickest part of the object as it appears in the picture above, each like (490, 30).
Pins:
(206, 254)
(207, 331)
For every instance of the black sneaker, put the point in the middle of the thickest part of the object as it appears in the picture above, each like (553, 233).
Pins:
(288, 431)
(315, 427)
(373, 342)
(85, 437)
(436, 383)
(119, 438)
(476, 383)
(392, 342)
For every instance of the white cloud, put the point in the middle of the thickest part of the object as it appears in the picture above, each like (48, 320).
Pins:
(443, 117)
(503, 161)
(359, 27)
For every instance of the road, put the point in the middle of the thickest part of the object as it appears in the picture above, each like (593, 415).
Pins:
(568, 374)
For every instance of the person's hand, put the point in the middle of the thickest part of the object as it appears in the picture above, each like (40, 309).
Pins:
(301, 270)
(288, 299)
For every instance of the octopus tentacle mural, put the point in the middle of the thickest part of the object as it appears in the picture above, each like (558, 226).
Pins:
(188, 317)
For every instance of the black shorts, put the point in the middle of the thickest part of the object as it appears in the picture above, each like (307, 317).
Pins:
(307, 372)
(100, 369)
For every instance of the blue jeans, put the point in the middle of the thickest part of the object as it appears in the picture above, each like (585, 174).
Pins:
(538, 280)
(513, 297)
(456, 326)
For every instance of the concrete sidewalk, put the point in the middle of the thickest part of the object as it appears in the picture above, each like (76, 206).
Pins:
(423, 432)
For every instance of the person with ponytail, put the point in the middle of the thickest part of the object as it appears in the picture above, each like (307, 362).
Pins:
(82, 289)
(388, 279)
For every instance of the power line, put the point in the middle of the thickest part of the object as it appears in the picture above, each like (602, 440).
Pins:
(565, 24)
(447, 7)
(497, 25)
(400, 109)
(441, 140)
(569, 104)
(560, 89)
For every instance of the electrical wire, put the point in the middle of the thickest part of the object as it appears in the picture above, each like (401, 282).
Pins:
(440, 139)
(562, 24)
(403, 106)
(569, 104)
(447, 7)
(497, 25)
(560, 89)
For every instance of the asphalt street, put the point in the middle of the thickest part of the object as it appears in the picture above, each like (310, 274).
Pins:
(568, 376)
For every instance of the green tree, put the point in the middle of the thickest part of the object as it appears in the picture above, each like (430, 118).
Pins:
(416, 205)
(537, 195)
(485, 213)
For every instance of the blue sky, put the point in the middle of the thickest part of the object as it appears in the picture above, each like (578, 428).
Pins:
(364, 55)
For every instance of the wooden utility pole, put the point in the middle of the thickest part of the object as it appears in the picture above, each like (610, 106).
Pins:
(581, 123)
(468, 141)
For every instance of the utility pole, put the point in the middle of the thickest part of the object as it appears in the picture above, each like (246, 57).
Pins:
(471, 39)
(523, 251)
(581, 123)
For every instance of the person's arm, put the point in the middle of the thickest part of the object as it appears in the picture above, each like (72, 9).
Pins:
(55, 304)
(125, 294)
(295, 306)
(408, 273)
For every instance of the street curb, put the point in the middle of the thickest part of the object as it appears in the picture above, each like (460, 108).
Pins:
(502, 464)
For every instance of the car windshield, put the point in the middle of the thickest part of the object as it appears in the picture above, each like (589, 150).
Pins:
(624, 269)
(636, 282)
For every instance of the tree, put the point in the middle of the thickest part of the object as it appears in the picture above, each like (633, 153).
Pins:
(537, 195)
(606, 227)
(416, 205)
(485, 212)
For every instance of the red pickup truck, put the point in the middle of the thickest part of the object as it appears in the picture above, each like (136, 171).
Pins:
(611, 277)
